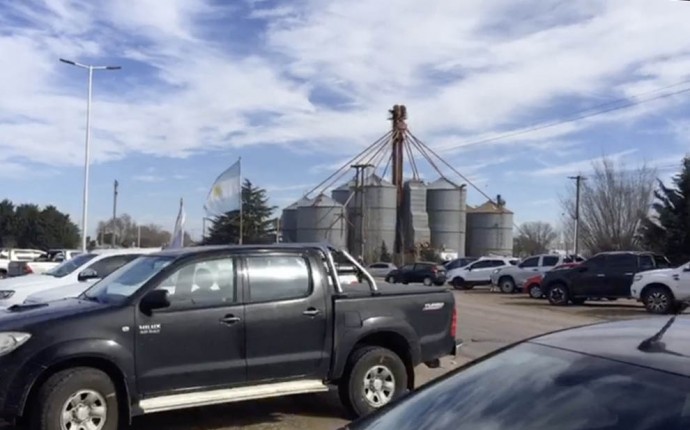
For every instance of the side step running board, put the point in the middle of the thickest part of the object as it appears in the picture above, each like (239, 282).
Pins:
(229, 395)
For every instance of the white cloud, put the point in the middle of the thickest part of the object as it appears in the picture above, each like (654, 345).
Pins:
(466, 70)
(579, 166)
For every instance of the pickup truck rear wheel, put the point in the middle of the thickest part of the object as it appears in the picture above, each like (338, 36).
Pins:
(374, 377)
(558, 295)
(658, 300)
(79, 398)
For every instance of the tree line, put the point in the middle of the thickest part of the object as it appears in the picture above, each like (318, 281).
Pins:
(620, 209)
(29, 226)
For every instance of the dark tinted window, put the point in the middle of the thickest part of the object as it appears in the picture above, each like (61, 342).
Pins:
(408, 267)
(423, 266)
(206, 283)
(532, 387)
(278, 278)
(661, 262)
(108, 265)
(646, 262)
(550, 260)
(483, 264)
(596, 262)
(530, 262)
(621, 261)
(379, 266)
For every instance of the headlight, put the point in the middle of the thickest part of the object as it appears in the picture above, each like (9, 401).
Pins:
(6, 294)
(10, 341)
(496, 271)
(637, 277)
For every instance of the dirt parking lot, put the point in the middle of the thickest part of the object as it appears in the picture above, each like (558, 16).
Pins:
(487, 321)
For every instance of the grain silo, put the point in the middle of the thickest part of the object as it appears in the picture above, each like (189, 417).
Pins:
(415, 217)
(322, 220)
(446, 207)
(288, 222)
(343, 192)
(380, 205)
(489, 230)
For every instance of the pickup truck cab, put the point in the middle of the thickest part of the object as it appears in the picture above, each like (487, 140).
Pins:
(606, 275)
(9, 255)
(41, 264)
(209, 325)
(662, 290)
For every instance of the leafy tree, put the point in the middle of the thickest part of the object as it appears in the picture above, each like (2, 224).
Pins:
(613, 203)
(258, 225)
(534, 238)
(28, 226)
(667, 230)
(129, 234)
(385, 256)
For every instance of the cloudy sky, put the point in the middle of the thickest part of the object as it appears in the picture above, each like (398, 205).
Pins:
(294, 88)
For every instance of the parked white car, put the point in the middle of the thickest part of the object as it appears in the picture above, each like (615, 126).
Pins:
(83, 269)
(381, 269)
(9, 255)
(478, 272)
(510, 278)
(662, 290)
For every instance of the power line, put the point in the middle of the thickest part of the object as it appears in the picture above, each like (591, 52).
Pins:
(584, 114)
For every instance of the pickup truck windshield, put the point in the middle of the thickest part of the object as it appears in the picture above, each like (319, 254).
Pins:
(69, 266)
(126, 280)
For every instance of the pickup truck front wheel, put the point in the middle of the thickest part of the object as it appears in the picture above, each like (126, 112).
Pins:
(375, 376)
(79, 398)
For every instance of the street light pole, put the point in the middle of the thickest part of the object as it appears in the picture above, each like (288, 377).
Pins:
(85, 198)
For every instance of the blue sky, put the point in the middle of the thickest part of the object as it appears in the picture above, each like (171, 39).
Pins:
(297, 87)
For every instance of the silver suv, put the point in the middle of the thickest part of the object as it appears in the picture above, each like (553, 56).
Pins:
(510, 278)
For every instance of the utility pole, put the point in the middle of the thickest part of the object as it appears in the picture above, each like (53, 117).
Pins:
(115, 185)
(399, 127)
(578, 182)
(360, 173)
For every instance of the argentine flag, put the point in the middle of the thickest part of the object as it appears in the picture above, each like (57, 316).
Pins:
(177, 239)
(226, 193)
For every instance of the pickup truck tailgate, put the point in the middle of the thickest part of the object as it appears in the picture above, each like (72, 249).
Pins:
(421, 315)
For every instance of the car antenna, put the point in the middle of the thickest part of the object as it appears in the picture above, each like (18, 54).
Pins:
(654, 343)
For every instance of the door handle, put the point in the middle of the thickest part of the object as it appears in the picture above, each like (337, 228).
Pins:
(629, 274)
(601, 275)
(311, 312)
(230, 319)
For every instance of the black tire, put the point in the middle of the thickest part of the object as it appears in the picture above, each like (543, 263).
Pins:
(390, 279)
(458, 283)
(658, 300)
(439, 283)
(428, 281)
(3, 274)
(507, 285)
(535, 291)
(578, 300)
(364, 361)
(558, 295)
(54, 394)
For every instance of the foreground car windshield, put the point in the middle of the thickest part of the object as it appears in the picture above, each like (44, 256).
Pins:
(69, 266)
(532, 387)
(126, 280)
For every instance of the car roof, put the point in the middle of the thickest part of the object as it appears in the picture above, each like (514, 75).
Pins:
(628, 252)
(212, 249)
(620, 341)
(123, 251)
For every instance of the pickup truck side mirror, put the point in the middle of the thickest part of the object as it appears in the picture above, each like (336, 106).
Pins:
(686, 269)
(87, 274)
(154, 299)
(468, 268)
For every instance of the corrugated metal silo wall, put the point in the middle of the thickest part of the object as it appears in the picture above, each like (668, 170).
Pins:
(447, 218)
(289, 225)
(341, 195)
(321, 223)
(380, 205)
(489, 233)
(415, 217)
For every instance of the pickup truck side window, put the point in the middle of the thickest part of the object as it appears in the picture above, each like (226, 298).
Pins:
(549, 260)
(202, 284)
(646, 262)
(621, 262)
(530, 262)
(278, 277)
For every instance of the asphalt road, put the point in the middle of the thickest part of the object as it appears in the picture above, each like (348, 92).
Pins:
(487, 321)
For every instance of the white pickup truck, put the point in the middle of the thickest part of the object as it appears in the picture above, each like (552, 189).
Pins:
(662, 290)
(41, 264)
(9, 255)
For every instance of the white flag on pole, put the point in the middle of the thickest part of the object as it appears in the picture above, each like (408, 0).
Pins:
(177, 240)
(226, 193)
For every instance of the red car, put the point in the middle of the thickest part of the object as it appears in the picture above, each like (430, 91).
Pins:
(532, 286)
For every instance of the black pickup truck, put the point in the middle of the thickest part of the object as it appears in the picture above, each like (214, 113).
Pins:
(208, 325)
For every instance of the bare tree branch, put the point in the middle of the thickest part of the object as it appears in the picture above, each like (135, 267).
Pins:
(534, 238)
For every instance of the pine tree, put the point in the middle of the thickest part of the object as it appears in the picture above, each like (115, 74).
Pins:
(257, 222)
(385, 255)
(668, 229)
